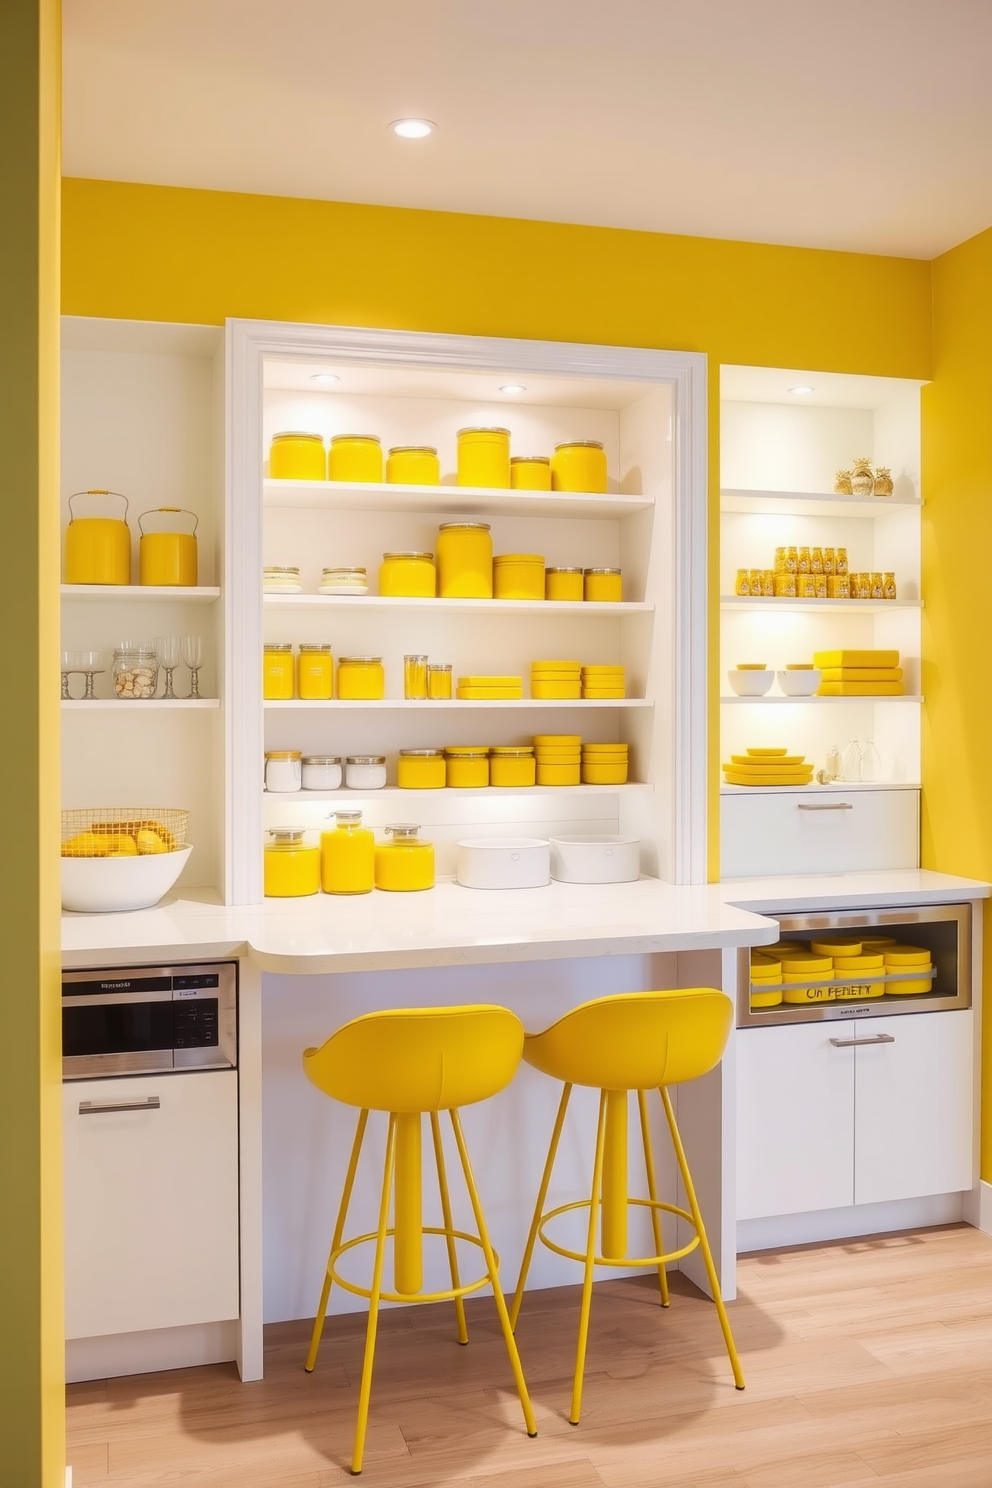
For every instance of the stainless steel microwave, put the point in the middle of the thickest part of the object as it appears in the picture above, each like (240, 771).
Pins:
(149, 1020)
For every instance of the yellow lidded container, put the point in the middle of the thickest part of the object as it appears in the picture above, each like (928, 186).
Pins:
(467, 768)
(347, 856)
(579, 465)
(563, 583)
(415, 677)
(421, 769)
(465, 560)
(807, 979)
(603, 585)
(408, 575)
(853, 973)
(566, 689)
(765, 996)
(291, 868)
(439, 680)
(413, 465)
(297, 456)
(844, 947)
(355, 457)
(902, 959)
(315, 671)
(361, 678)
(530, 472)
(406, 864)
(167, 557)
(557, 774)
(606, 773)
(97, 549)
(278, 672)
(484, 457)
(518, 576)
(512, 765)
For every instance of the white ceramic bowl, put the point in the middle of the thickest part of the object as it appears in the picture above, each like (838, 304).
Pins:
(503, 863)
(751, 684)
(106, 885)
(799, 684)
(591, 860)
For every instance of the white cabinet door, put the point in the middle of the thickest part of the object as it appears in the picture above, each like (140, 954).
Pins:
(914, 1111)
(818, 831)
(151, 1202)
(795, 1121)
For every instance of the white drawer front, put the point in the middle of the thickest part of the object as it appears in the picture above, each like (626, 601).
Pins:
(818, 831)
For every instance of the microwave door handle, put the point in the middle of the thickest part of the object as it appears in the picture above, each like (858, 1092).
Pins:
(101, 1108)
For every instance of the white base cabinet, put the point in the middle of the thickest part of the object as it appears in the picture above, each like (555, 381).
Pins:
(765, 833)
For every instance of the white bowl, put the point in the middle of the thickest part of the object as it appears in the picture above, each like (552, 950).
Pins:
(799, 684)
(751, 684)
(106, 885)
(503, 863)
(600, 859)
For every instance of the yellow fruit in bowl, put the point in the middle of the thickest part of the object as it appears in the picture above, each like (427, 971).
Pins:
(150, 842)
(85, 845)
(122, 847)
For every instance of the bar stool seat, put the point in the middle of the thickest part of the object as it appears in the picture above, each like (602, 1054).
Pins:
(410, 1063)
(637, 1041)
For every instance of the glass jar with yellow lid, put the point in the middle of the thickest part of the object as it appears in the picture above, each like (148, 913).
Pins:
(347, 855)
(421, 769)
(315, 671)
(413, 465)
(356, 458)
(415, 677)
(278, 672)
(563, 583)
(484, 457)
(512, 765)
(361, 678)
(465, 560)
(530, 472)
(467, 766)
(406, 864)
(579, 465)
(603, 585)
(291, 866)
(296, 455)
(409, 575)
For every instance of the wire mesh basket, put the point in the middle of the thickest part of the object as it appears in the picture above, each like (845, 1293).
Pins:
(122, 831)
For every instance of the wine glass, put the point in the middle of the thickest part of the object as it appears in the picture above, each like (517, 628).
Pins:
(169, 650)
(91, 664)
(192, 649)
(68, 667)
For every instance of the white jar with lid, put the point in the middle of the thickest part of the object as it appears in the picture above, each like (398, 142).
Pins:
(321, 771)
(283, 770)
(365, 771)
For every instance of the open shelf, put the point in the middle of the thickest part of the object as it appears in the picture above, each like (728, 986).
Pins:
(813, 504)
(468, 501)
(588, 609)
(837, 606)
(201, 594)
(874, 697)
(446, 705)
(449, 792)
(137, 705)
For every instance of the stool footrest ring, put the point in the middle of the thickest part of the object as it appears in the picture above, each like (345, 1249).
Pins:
(580, 1255)
(446, 1296)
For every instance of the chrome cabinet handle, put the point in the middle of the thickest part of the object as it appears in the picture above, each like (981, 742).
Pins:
(99, 1108)
(834, 806)
(856, 1043)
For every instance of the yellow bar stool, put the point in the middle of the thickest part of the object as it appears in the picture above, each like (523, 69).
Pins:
(633, 1041)
(413, 1062)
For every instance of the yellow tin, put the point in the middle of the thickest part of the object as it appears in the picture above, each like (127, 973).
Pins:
(558, 741)
(465, 560)
(518, 576)
(421, 769)
(563, 583)
(278, 673)
(297, 456)
(603, 585)
(530, 472)
(439, 680)
(579, 465)
(406, 864)
(765, 996)
(467, 769)
(167, 557)
(603, 774)
(355, 457)
(413, 465)
(97, 549)
(484, 457)
(361, 678)
(347, 856)
(510, 765)
(797, 988)
(904, 957)
(836, 947)
(315, 672)
(852, 975)
(560, 691)
(604, 694)
(408, 575)
(554, 774)
(291, 868)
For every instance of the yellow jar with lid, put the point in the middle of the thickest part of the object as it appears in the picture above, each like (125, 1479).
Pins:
(808, 979)
(518, 576)
(853, 974)
(564, 583)
(439, 680)
(406, 864)
(530, 472)
(415, 677)
(413, 465)
(421, 769)
(465, 560)
(579, 465)
(361, 679)
(603, 585)
(467, 766)
(315, 672)
(278, 672)
(484, 457)
(409, 575)
(512, 765)
(291, 867)
(355, 457)
(347, 856)
(297, 456)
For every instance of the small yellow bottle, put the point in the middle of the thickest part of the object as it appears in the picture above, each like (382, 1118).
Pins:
(347, 856)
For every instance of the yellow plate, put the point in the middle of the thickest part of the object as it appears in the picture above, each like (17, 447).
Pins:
(490, 681)
(906, 955)
(555, 691)
(752, 763)
(557, 739)
(767, 753)
(771, 780)
(483, 694)
(558, 666)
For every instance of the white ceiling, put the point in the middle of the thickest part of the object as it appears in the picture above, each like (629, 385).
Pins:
(857, 124)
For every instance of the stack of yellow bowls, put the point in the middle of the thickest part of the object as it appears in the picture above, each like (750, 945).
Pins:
(807, 978)
(558, 758)
(603, 682)
(853, 975)
(904, 958)
(500, 688)
(604, 764)
(556, 680)
(766, 978)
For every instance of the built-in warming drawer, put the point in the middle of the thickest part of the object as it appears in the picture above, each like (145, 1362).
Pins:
(763, 834)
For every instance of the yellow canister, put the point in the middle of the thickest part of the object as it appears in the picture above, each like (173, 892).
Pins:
(484, 457)
(347, 856)
(846, 947)
(97, 549)
(603, 585)
(315, 672)
(518, 576)
(355, 457)
(421, 769)
(361, 678)
(406, 864)
(579, 465)
(297, 456)
(167, 557)
(853, 974)
(413, 465)
(530, 472)
(467, 768)
(278, 672)
(594, 773)
(439, 680)
(762, 997)
(291, 868)
(408, 575)
(555, 774)
(807, 979)
(900, 959)
(563, 583)
(512, 765)
(465, 560)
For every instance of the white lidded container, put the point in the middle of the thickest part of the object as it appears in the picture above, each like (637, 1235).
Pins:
(321, 771)
(595, 859)
(503, 863)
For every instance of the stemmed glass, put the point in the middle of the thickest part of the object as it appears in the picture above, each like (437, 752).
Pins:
(68, 667)
(169, 651)
(192, 649)
(89, 663)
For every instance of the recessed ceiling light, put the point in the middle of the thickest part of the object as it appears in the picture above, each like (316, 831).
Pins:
(802, 388)
(513, 387)
(324, 377)
(412, 128)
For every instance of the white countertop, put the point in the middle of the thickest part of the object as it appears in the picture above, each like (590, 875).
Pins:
(892, 888)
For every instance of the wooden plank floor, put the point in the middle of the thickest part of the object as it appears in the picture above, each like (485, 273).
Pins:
(868, 1362)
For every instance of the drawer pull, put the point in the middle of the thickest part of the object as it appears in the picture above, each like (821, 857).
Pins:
(834, 806)
(880, 1038)
(99, 1108)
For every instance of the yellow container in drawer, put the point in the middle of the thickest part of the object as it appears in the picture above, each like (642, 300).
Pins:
(853, 975)
(903, 958)
(807, 979)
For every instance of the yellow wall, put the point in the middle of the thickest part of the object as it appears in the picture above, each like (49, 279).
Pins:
(957, 481)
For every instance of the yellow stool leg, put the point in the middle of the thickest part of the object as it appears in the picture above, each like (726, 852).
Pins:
(487, 1250)
(704, 1243)
(614, 1218)
(542, 1194)
(408, 1252)
(594, 1200)
(642, 1106)
(373, 1323)
(349, 1183)
(442, 1183)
